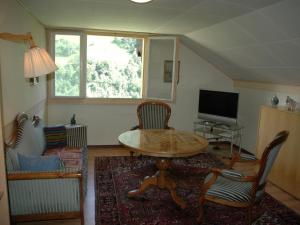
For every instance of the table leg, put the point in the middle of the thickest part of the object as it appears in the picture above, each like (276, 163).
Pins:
(146, 183)
(162, 180)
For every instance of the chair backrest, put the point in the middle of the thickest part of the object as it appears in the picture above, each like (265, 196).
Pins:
(153, 115)
(267, 160)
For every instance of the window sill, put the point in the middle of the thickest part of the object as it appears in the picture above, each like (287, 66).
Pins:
(99, 101)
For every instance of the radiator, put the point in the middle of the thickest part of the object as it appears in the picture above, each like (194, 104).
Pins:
(76, 135)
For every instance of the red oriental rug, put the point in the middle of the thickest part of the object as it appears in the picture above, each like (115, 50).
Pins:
(114, 178)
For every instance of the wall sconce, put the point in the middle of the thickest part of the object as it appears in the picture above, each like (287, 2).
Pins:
(37, 61)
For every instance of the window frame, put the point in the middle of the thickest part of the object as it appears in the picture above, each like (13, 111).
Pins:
(82, 99)
(175, 69)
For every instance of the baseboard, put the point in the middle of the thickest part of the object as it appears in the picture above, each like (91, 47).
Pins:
(280, 188)
(105, 146)
(47, 216)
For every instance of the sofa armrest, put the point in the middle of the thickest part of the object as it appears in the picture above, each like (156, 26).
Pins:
(45, 192)
(58, 174)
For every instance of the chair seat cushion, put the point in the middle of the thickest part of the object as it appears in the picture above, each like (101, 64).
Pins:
(231, 173)
(38, 163)
(230, 190)
(71, 157)
(247, 156)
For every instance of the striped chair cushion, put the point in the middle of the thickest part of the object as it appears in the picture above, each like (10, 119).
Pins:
(231, 173)
(247, 156)
(230, 190)
(55, 136)
(153, 116)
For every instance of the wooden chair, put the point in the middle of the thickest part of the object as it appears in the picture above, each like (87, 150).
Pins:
(233, 188)
(153, 115)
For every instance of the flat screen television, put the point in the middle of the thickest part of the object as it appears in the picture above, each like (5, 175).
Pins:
(218, 106)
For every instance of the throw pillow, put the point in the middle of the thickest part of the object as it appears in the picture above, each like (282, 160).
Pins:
(38, 163)
(70, 157)
(55, 136)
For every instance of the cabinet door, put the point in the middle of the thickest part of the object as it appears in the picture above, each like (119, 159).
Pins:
(286, 169)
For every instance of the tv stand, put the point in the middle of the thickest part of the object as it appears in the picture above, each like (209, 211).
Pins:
(220, 131)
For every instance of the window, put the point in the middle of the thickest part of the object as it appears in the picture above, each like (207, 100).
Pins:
(114, 67)
(67, 58)
(97, 66)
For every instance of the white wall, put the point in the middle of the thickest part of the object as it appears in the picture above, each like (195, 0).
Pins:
(106, 122)
(4, 210)
(160, 50)
(249, 105)
(17, 94)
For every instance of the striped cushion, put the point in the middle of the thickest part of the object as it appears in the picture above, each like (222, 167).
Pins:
(230, 190)
(153, 116)
(247, 157)
(55, 136)
(71, 157)
(231, 173)
(76, 136)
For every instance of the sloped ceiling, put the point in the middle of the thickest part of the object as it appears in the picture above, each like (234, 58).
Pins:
(254, 40)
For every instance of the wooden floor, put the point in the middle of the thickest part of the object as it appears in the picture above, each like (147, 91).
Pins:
(89, 211)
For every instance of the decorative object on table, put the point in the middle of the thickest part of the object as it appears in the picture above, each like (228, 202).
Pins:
(290, 103)
(73, 120)
(274, 101)
(113, 175)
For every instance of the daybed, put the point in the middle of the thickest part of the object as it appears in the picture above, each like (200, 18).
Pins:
(36, 190)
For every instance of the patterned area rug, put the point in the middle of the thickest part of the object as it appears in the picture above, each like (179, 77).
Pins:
(114, 177)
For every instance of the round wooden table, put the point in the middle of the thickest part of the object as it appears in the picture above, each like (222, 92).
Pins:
(165, 145)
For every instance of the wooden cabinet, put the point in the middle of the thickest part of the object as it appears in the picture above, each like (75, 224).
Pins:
(286, 169)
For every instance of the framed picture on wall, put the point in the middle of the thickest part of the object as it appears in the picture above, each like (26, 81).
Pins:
(168, 71)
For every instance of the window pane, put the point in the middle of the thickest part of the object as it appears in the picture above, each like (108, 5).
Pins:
(67, 58)
(114, 67)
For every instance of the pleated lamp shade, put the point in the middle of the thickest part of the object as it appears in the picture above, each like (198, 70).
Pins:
(37, 62)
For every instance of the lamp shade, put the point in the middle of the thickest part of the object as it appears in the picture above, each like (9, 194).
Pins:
(37, 62)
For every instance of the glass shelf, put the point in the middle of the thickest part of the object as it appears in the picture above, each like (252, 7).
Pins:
(213, 130)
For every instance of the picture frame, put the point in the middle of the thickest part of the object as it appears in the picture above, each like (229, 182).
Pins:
(168, 71)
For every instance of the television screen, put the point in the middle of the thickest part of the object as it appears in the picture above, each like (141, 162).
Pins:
(218, 103)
